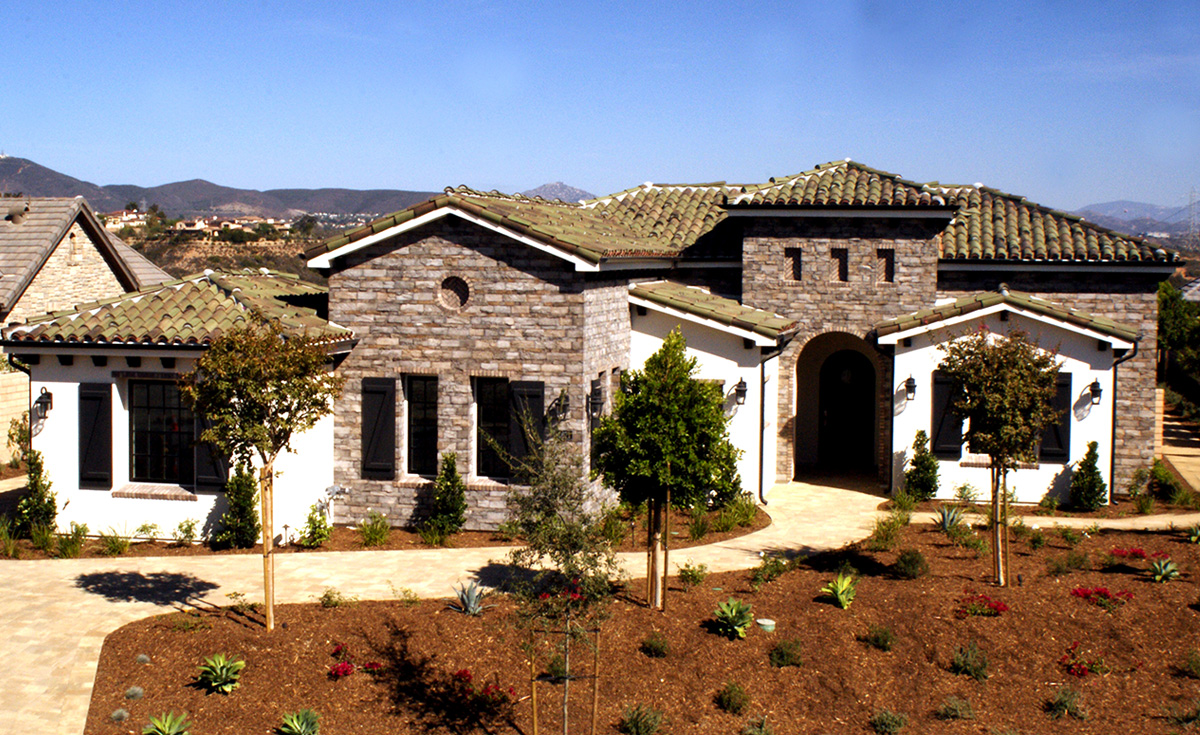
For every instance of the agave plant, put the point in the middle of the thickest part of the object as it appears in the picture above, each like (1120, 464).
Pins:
(1163, 570)
(733, 618)
(949, 517)
(470, 599)
(304, 722)
(220, 673)
(842, 590)
(1193, 534)
(167, 723)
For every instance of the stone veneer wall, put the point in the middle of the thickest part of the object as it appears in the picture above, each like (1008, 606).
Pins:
(822, 304)
(1128, 298)
(75, 273)
(529, 316)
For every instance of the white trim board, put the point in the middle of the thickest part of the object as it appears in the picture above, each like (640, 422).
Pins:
(896, 337)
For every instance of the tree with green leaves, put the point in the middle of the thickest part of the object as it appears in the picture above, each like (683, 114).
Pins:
(1003, 385)
(921, 477)
(239, 523)
(447, 501)
(1178, 330)
(1088, 489)
(666, 443)
(258, 388)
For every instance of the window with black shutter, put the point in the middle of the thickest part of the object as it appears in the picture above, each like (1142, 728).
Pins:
(421, 395)
(946, 435)
(95, 435)
(1056, 440)
(379, 428)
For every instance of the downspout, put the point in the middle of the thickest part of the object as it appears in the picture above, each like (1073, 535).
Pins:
(1112, 440)
(762, 419)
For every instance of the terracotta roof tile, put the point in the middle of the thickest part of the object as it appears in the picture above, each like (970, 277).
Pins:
(701, 303)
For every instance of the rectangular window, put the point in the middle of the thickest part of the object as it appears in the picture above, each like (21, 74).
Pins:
(507, 413)
(885, 266)
(839, 264)
(946, 427)
(379, 428)
(421, 394)
(795, 261)
(1056, 440)
(162, 432)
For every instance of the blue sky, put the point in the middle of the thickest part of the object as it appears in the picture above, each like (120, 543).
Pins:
(1066, 103)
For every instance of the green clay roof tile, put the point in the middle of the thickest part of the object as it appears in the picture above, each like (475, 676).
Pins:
(701, 303)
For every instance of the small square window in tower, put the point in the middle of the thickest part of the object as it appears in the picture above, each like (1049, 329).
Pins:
(839, 261)
(795, 262)
(885, 265)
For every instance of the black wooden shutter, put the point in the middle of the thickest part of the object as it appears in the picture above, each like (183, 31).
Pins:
(95, 435)
(946, 439)
(1056, 440)
(528, 403)
(212, 468)
(379, 428)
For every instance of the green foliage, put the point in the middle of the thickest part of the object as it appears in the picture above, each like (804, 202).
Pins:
(1185, 716)
(911, 564)
(1191, 664)
(842, 590)
(1162, 483)
(921, 477)
(655, 645)
(1070, 536)
(966, 493)
(1088, 489)
(1064, 702)
(768, 570)
(18, 439)
(167, 723)
(1072, 561)
(148, 531)
(113, 543)
(640, 720)
(1178, 337)
(698, 524)
(374, 530)
(304, 722)
(732, 698)
(878, 636)
(742, 509)
(42, 537)
(1143, 503)
(954, 708)
(1037, 539)
(1193, 534)
(448, 502)
(317, 529)
(38, 506)
(886, 532)
(612, 526)
(886, 722)
(786, 653)
(185, 533)
(902, 501)
(733, 618)
(691, 574)
(970, 660)
(220, 673)
(239, 523)
(1163, 570)
(758, 727)
(470, 599)
(668, 432)
(724, 522)
(9, 549)
(333, 598)
(948, 517)
(69, 545)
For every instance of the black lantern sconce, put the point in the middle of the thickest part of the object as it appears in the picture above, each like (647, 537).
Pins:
(1095, 391)
(43, 404)
(910, 389)
(739, 392)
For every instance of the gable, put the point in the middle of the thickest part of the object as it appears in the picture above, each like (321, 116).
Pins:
(75, 271)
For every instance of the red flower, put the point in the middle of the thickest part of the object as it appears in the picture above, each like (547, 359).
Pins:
(343, 668)
(373, 666)
(463, 675)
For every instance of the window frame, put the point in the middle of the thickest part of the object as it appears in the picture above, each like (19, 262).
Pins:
(421, 425)
(184, 433)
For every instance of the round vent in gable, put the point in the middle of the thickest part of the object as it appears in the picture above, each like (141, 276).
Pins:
(454, 293)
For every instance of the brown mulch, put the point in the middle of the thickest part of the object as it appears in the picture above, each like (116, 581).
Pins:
(1120, 507)
(841, 684)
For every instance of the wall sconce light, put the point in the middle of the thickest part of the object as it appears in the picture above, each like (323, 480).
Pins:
(739, 392)
(43, 404)
(1095, 390)
(910, 389)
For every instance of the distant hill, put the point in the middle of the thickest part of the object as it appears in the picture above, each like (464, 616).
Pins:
(198, 197)
(559, 190)
(1137, 218)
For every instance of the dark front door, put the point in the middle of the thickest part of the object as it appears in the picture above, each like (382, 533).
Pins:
(846, 431)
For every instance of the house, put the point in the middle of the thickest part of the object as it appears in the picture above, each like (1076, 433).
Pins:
(119, 446)
(811, 298)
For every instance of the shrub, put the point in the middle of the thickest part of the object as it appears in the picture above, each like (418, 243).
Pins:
(655, 645)
(878, 636)
(1191, 664)
(742, 509)
(1078, 664)
(1162, 483)
(768, 570)
(733, 618)
(886, 533)
(431, 534)
(842, 590)
(1163, 570)
(911, 564)
(70, 544)
(9, 549)
(42, 537)
(239, 524)
(691, 574)
(966, 493)
(886, 722)
(1185, 716)
(732, 698)
(148, 531)
(167, 723)
(1072, 561)
(448, 501)
(332, 598)
(1037, 539)
(758, 727)
(1070, 536)
(38, 507)
(949, 517)
(785, 653)
(304, 722)
(18, 439)
(113, 543)
(970, 661)
(374, 530)
(185, 533)
(220, 673)
(921, 477)
(954, 708)
(980, 606)
(612, 526)
(1193, 534)
(725, 522)
(1064, 702)
(470, 599)
(316, 531)
(698, 525)
(639, 720)
(1088, 490)
(902, 501)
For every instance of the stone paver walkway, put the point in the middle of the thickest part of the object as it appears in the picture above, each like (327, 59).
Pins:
(1181, 446)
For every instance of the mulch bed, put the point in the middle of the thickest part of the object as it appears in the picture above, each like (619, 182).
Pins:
(842, 683)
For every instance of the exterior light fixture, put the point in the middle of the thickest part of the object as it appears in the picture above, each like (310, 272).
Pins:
(1095, 390)
(910, 389)
(43, 404)
(739, 392)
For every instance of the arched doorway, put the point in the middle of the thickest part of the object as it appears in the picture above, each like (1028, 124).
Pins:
(846, 412)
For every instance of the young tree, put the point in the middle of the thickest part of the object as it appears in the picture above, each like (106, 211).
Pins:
(258, 387)
(1003, 386)
(921, 477)
(666, 443)
(1088, 489)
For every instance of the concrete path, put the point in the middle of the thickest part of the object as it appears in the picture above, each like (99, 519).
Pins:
(1181, 446)
(56, 614)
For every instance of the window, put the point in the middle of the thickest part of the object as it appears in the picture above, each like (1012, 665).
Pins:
(506, 410)
(379, 428)
(162, 432)
(1056, 440)
(885, 265)
(946, 436)
(840, 262)
(794, 258)
(595, 403)
(421, 394)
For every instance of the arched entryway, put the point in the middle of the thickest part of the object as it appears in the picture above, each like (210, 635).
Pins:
(837, 397)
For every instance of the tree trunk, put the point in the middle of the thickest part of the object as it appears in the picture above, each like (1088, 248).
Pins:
(997, 535)
(656, 591)
(1004, 489)
(266, 477)
(666, 567)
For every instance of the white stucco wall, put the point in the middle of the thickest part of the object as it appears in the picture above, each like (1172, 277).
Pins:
(1080, 357)
(721, 356)
(303, 473)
